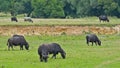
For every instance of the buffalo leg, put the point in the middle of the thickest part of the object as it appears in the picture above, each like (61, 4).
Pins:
(21, 47)
(87, 43)
(41, 59)
(45, 59)
(12, 47)
(92, 43)
(96, 43)
(54, 55)
(8, 47)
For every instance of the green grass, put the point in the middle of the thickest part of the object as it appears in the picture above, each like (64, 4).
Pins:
(52, 22)
(79, 55)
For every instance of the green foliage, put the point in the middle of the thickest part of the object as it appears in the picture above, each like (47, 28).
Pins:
(109, 7)
(61, 8)
(27, 7)
(16, 6)
(48, 9)
(4, 6)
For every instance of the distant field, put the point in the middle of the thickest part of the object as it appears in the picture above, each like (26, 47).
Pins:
(79, 55)
(79, 21)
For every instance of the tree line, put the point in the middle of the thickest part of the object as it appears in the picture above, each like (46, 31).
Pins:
(61, 8)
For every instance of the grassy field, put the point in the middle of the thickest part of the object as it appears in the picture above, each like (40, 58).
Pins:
(79, 21)
(79, 55)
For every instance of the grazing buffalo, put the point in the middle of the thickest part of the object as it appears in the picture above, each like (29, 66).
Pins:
(92, 38)
(28, 19)
(17, 40)
(103, 18)
(14, 19)
(45, 49)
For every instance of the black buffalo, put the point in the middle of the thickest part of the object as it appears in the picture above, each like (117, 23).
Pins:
(17, 40)
(45, 49)
(92, 38)
(14, 19)
(28, 19)
(103, 18)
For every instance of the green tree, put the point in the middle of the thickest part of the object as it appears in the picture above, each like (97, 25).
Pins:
(47, 8)
(107, 6)
(61, 8)
(70, 8)
(4, 6)
(16, 7)
(83, 7)
(27, 7)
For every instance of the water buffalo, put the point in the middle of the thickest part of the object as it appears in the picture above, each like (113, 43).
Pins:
(28, 19)
(103, 18)
(15, 35)
(17, 40)
(14, 19)
(45, 49)
(92, 38)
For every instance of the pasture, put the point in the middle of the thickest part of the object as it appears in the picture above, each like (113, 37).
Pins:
(50, 22)
(79, 55)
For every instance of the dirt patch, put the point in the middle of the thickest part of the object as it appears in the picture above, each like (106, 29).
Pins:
(57, 30)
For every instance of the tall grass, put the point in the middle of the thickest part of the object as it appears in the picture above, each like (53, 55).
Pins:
(79, 55)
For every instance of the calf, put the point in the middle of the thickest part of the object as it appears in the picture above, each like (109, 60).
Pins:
(45, 49)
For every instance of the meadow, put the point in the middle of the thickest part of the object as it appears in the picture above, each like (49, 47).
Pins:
(79, 55)
(51, 22)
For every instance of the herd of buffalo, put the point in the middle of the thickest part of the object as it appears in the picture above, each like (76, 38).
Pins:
(25, 19)
(45, 49)
(52, 48)
(103, 18)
